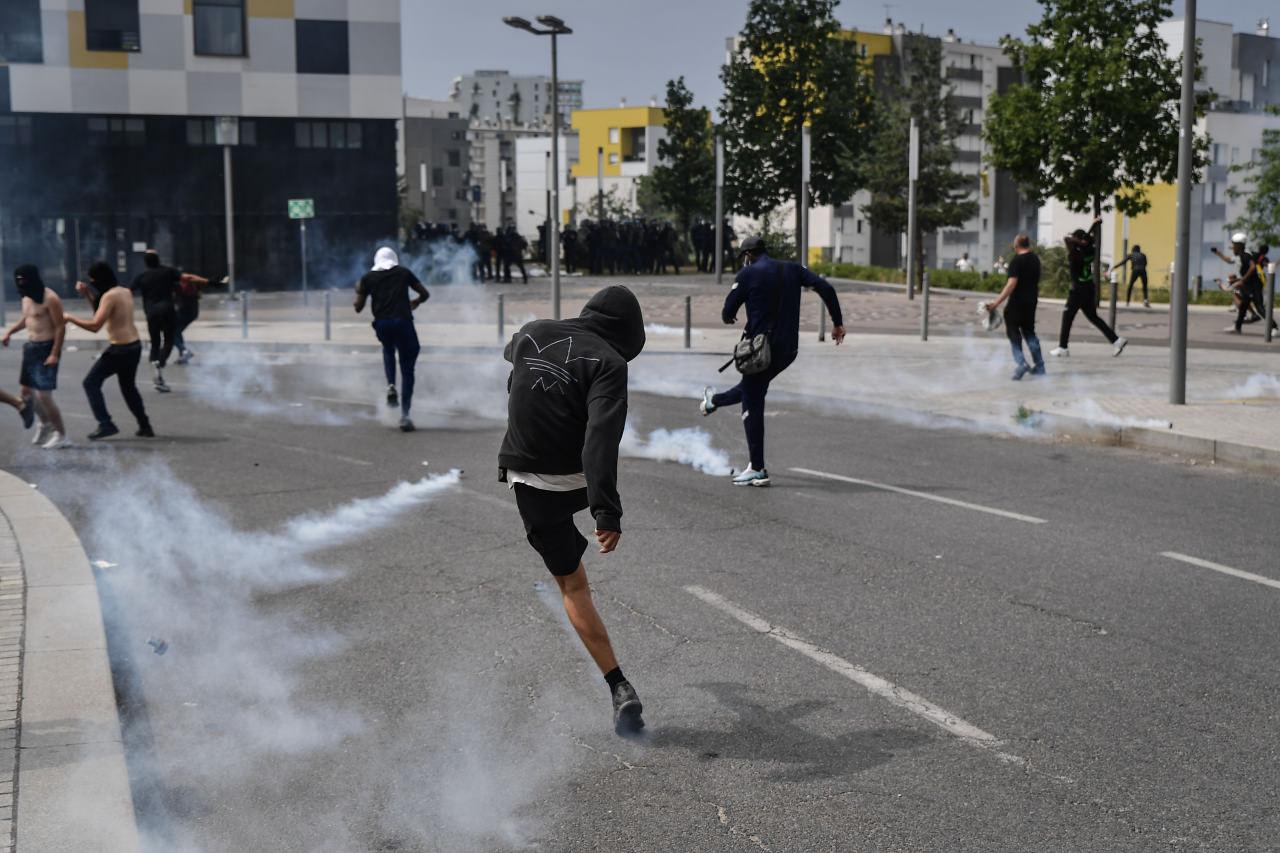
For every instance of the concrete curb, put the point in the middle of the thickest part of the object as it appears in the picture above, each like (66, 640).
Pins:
(1165, 442)
(73, 784)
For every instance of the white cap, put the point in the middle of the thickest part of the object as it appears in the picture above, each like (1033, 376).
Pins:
(385, 258)
(1239, 237)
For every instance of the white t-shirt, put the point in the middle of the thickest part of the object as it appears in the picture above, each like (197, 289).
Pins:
(547, 482)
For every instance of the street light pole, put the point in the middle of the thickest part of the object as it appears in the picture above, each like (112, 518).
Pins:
(1182, 262)
(553, 27)
(719, 208)
(913, 172)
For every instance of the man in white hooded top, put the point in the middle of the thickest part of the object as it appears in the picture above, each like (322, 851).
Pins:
(388, 285)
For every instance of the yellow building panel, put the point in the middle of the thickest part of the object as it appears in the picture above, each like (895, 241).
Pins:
(593, 127)
(270, 8)
(1154, 231)
(78, 56)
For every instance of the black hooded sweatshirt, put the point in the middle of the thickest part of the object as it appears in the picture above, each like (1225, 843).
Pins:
(567, 397)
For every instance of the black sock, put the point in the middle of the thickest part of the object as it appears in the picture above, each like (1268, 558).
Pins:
(614, 677)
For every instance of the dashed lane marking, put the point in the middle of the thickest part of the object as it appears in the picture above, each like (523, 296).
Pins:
(1218, 567)
(1003, 513)
(899, 696)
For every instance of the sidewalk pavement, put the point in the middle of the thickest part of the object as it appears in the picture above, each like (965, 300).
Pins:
(962, 378)
(65, 786)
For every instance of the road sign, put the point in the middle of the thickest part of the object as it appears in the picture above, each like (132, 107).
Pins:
(302, 208)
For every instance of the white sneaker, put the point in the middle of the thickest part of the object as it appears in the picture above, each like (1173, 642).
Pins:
(55, 441)
(752, 477)
(706, 406)
(1060, 352)
(1232, 330)
(1119, 345)
(42, 433)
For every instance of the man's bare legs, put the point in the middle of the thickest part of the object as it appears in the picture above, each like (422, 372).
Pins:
(16, 402)
(582, 614)
(48, 411)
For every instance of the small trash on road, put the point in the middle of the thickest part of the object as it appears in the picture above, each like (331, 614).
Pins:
(157, 645)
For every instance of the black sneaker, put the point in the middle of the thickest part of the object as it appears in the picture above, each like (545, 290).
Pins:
(393, 399)
(406, 425)
(626, 711)
(27, 413)
(104, 431)
(145, 431)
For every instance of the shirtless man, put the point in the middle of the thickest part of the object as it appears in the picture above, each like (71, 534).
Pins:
(113, 308)
(42, 318)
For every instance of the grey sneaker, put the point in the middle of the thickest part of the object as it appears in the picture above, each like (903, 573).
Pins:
(1119, 345)
(1020, 371)
(42, 434)
(406, 425)
(706, 406)
(627, 708)
(751, 477)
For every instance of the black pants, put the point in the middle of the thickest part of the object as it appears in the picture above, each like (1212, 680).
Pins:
(750, 392)
(1251, 295)
(187, 314)
(122, 362)
(506, 268)
(399, 338)
(1020, 325)
(1083, 298)
(1137, 274)
(162, 325)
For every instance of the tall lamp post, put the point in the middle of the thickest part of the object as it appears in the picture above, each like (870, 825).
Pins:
(551, 26)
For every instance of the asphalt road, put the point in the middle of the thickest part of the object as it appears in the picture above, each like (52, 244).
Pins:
(826, 664)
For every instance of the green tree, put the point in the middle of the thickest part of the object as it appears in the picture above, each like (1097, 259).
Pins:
(1261, 218)
(794, 66)
(943, 195)
(616, 206)
(684, 181)
(1096, 115)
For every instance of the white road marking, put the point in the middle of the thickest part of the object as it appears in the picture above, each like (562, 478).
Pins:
(1218, 567)
(903, 698)
(1003, 513)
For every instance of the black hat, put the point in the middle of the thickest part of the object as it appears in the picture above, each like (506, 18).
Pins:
(752, 245)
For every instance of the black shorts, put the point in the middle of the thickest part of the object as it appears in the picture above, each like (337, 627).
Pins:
(35, 374)
(549, 527)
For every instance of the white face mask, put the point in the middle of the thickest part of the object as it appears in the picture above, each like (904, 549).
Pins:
(385, 258)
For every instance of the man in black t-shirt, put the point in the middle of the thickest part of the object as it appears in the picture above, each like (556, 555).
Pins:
(1082, 248)
(1248, 284)
(160, 288)
(388, 285)
(1022, 292)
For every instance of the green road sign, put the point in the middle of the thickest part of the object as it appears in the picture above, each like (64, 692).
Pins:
(302, 208)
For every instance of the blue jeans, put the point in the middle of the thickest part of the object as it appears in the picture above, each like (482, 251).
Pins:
(1020, 325)
(750, 392)
(399, 337)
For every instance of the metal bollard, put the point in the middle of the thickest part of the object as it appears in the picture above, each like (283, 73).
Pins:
(924, 306)
(688, 322)
(1271, 298)
(244, 314)
(1199, 282)
(502, 320)
(328, 309)
(822, 322)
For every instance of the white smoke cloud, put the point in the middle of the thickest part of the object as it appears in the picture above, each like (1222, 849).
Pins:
(1257, 385)
(689, 446)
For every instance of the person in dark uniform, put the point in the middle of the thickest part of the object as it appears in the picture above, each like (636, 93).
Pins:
(569, 242)
(512, 252)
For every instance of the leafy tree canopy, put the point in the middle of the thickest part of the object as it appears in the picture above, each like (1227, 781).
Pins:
(684, 181)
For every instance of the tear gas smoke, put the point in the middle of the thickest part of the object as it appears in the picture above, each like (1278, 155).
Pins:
(690, 446)
(190, 583)
(239, 379)
(1257, 385)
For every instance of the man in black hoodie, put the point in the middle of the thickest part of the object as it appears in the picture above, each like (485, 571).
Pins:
(566, 411)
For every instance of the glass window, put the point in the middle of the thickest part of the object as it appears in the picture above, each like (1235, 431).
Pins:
(195, 131)
(219, 27)
(437, 177)
(613, 136)
(322, 47)
(302, 134)
(337, 134)
(455, 158)
(111, 25)
(20, 32)
(248, 132)
(15, 130)
(355, 132)
(319, 134)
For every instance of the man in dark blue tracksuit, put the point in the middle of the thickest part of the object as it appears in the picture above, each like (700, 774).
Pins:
(770, 290)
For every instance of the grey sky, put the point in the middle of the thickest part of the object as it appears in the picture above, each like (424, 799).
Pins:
(630, 49)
